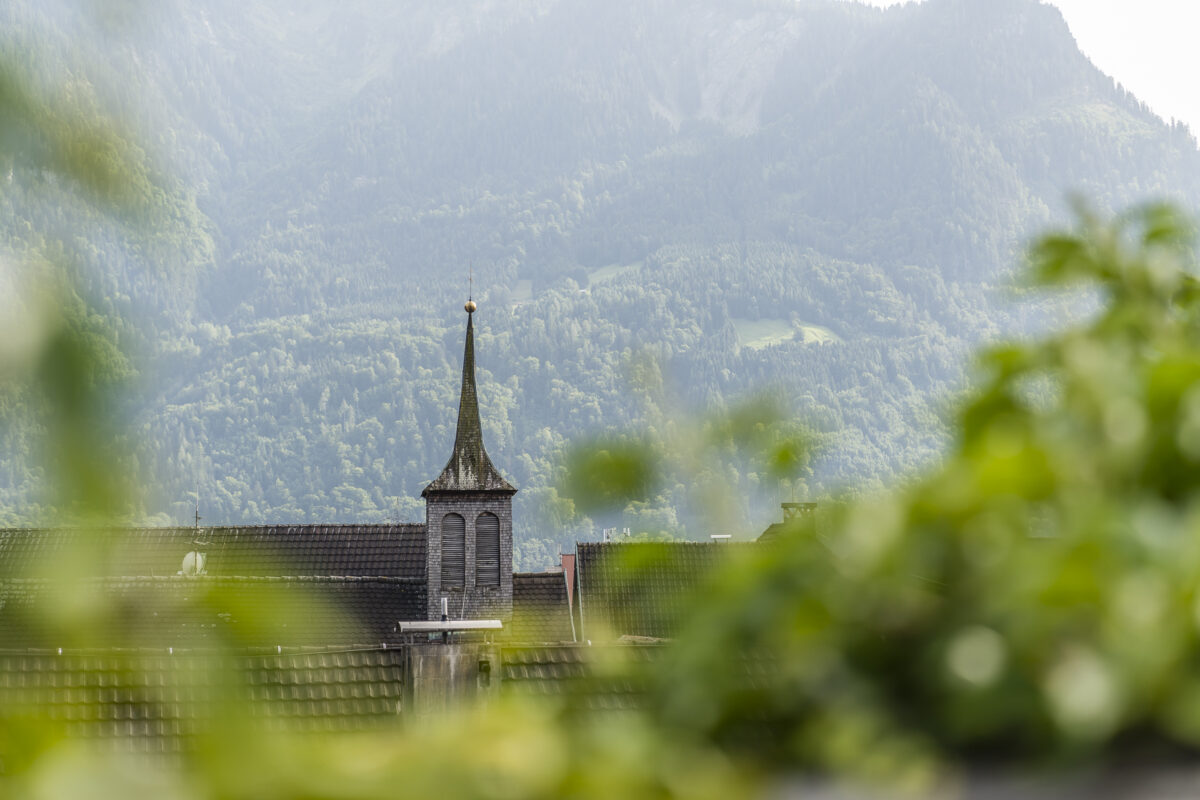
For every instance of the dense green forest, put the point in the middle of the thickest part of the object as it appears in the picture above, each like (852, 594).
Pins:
(669, 209)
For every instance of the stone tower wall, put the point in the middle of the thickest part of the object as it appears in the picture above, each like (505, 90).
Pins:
(471, 601)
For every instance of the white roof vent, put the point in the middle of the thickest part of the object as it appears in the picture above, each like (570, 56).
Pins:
(193, 564)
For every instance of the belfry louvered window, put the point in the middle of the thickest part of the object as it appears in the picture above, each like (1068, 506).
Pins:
(454, 550)
(487, 550)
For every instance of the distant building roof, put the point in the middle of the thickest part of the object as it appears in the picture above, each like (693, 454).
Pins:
(641, 588)
(289, 585)
(615, 676)
(155, 701)
(569, 674)
(541, 612)
(208, 611)
(321, 585)
(392, 551)
(797, 518)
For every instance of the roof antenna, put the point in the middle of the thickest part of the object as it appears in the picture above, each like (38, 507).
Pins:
(195, 562)
(196, 541)
(470, 304)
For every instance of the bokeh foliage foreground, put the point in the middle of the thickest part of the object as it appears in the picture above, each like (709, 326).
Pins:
(1032, 600)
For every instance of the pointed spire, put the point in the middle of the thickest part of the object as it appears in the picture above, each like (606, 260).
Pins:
(469, 468)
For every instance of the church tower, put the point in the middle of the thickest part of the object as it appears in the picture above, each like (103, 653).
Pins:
(468, 518)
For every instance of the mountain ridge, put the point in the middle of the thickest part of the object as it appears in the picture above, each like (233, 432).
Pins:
(815, 165)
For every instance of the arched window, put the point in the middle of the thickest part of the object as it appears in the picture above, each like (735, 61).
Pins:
(487, 550)
(454, 551)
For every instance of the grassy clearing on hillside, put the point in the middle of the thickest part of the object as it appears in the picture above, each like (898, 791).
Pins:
(759, 333)
(611, 271)
(523, 293)
(818, 334)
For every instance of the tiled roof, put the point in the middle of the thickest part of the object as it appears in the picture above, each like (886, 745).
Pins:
(394, 551)
(799, 519)
(642, 588)
(540, 610)
(207, 610)
(154, 701)
(774, 532)
(581, 677)
(626, 675)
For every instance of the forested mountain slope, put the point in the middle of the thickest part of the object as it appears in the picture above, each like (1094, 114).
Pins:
(814, 198)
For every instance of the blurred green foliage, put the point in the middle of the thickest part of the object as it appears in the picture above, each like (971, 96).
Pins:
(703, 462)
(57, 135)
(1033, 599)
(606, 473)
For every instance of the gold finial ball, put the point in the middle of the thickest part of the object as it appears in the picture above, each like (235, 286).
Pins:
(470, 306)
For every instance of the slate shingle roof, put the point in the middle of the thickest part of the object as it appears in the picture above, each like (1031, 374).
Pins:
(640, 588)
(799, 519)
(619, 676)
(540, 609)
(155, 701)
(583, 678)
(208, 610)
(469, 468)
(774, 532)
(394, 551)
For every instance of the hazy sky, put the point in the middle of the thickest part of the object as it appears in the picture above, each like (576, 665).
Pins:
(1147, 45)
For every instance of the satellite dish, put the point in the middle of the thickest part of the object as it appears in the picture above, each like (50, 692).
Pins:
(193, 564)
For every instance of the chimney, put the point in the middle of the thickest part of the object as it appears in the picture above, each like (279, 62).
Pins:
(793, 510)
(568, 568)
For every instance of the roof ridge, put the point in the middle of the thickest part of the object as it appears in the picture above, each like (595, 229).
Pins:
(168, 651)
(240, 527)
(386, 579)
